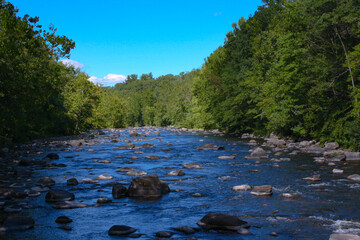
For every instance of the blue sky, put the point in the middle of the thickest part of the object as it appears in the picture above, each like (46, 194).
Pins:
(115, 38)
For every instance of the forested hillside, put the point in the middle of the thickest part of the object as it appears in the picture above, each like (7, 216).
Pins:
(291, 68)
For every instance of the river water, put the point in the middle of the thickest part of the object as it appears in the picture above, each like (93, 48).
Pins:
(320, 208)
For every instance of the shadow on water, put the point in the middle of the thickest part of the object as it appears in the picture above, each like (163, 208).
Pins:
(318, 210)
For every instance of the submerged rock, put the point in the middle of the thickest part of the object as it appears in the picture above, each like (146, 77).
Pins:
(72, 182)
(63, 220)
(186, 229)
(220, 221)
(18, 223)
(59, 196)
(121, 230)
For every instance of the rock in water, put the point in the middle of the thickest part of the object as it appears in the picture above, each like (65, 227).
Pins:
(59, 196)
(147, 187)
(344, 237)
(18, 223)
(265, 190)
(69, 205)
(211, 147)
(258, 153)
(193, 165)
(244, 187)
(45, 182)
(72, 182)
(52, 156)
(121, 230)
(186, 229)
(220, 221)
(164, 234)
(119, 191)
(63, 220)
(176, 173)
(354, 177)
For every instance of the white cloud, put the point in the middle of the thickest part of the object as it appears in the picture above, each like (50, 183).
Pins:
(109, 80)
(69, 62)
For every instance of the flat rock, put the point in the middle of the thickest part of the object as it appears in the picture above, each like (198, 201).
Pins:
(264, 190)
(18, 223)
(176, 173)
(314, 178)
(89, 180)
(164, 234)
(354, 177)
(121, 230)
(152, 157)
(220, 221)
(105, 177)
(186, 229)
(63, 220)
(59, 196)
(69, 205)
(193, 165)
(244, 187)
(226, 157)
(136, 173)
(352, 156)
(125, 169)
(339, 236)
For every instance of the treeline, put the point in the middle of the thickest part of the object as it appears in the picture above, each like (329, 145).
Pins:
(292, 68)
(40, 96)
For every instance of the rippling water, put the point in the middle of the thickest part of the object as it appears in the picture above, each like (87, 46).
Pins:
(320, 209)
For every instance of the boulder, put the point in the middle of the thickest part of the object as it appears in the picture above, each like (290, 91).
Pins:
(264, 190)
(45, 182)
(334, 156)
(147, 187)
(193, 165)
(258, 153)
(211, 147)
(176, 173)
(352, 156)
(119, 191)
(59, 196)
(121, 230)
(18, 223)
(220, 221)
(331, 146)
(354, 177)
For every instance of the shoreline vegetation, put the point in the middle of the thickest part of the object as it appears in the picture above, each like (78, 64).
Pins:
(291, 69)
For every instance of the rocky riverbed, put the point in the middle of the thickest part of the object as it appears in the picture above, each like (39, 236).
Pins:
(171, 183)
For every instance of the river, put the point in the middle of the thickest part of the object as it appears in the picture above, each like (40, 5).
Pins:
(317, 210)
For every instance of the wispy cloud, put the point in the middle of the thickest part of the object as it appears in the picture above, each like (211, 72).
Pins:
(217, 14)
(109, 80)
(69, 62)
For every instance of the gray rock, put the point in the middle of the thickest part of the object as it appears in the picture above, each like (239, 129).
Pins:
(152, 157)
(258, 153)
(18, 223)
(334, 156)
(59, 196)
(264, 190)
(69, 205)
(164, 234)
(89, 180)
(176, 173)
(136, 173)
(121, 230)
(331, 146)
(339, 236)
(244, 187)
(125, 169)
(220, 221)
(193, 165)
(105, 177)
(354, 177)
(352, 156)
(226, 157)
(314, 178)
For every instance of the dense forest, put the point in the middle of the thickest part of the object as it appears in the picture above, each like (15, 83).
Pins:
(292, 68)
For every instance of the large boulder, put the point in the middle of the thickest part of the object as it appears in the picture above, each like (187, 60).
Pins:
(147, 187)
(221, 221)
(18, 223)
(59, 196)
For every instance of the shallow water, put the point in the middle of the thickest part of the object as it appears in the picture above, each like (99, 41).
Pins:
(320, 208)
